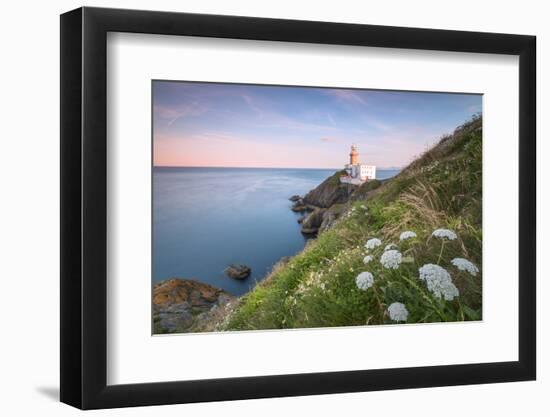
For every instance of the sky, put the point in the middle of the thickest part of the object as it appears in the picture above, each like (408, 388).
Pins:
(240, 125)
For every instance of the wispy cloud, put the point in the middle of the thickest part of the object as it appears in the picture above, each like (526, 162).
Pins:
(253, 105)
(282, 121)
(347, 95)
(171, 114)
(329, 139)
(377, 124)
(331, 119)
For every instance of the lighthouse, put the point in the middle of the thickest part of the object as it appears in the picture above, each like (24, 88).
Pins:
(357, 173)
(354, 155)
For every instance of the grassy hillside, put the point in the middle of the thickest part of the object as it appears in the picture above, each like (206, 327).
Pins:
(319, 287)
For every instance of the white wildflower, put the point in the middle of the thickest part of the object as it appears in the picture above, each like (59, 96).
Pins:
(407, 235)
(390, 246)
(367, 259)
(363, 206)
(449, 291)
(364, 280)
(391, 259)
(465, 265)
(373, 243)
(398, 312)
(438, 281)
(444, 234)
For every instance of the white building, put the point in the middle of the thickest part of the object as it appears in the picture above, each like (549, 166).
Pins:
(358, 173)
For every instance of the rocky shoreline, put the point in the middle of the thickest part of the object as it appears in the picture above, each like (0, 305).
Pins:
(185, 305)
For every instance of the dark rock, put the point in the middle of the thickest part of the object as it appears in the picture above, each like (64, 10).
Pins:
(223, 299)
(175, 322)
(299, 206)
(331, 215)
(177, 304)
(237, 271)
(177, 308)
(313, 221)
(295, 198)
(321, 219)
(175, 291)
(329, 192)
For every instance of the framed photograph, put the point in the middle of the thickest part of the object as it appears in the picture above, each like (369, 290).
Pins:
(256, 208)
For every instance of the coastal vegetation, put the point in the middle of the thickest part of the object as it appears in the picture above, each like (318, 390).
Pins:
(403, 250)
(428, 222)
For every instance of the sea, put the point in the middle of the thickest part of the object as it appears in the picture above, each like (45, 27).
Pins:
(207, 218)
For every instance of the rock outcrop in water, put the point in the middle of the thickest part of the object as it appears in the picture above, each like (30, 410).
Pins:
(238, 271)
(300, 207)
(185, 305)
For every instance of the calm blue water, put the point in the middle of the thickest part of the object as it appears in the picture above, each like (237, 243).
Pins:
(206, 218)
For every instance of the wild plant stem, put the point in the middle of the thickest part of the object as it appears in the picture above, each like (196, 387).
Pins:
(426, 297)
(461, 310)
(441, 251)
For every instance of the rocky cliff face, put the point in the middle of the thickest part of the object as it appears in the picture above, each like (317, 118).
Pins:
(327, 202)
(329, 192)
(184, 305)
(321, 218)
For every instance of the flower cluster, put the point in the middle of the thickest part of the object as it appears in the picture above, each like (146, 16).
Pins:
(313, 280)
(465, 265)
(390, 246)
(430, 167)
(407, 235)
(398, 312)
(438, 281)
(391, 259)
(373, 243)
(364, 280)
(444, 234)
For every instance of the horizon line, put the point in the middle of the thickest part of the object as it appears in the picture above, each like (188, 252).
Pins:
(253, 167)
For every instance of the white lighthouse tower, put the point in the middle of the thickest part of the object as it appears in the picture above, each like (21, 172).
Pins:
(358, 173)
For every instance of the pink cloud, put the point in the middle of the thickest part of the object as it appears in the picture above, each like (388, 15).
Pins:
(219, 149)
(329, 139)
(226, 150)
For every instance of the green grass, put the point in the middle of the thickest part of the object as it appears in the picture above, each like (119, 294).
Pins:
(441, 189)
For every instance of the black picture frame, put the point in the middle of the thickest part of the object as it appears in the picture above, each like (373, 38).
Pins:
(84, 207)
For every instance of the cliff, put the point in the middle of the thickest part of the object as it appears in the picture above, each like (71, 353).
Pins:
(329, 192)
(329, 200)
